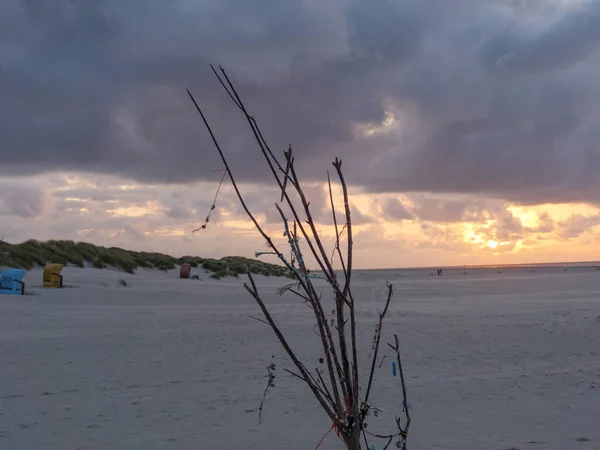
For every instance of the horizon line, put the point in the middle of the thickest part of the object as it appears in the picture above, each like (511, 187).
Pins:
(487, 266)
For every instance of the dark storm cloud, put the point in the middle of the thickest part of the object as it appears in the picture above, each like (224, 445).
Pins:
(571, 39)
(485, 102)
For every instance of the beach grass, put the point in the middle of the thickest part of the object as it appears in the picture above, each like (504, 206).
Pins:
(32, 253)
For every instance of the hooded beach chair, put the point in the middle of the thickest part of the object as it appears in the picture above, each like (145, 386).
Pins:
(11, 282)
(52, 276)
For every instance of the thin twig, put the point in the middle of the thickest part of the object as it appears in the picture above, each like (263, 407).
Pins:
(294, 374)
(338, 167)
(325, 392)
(214, 203)
(270, 384)
(323, 383)
(287, 173)
(378, 338)
(260, 320)
(337, 232)
(226, 89)
(403, 430)
(389, 437)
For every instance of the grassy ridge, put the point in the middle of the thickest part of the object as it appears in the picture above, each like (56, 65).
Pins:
(32, 253)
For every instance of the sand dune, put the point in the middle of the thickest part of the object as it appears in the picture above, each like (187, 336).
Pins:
(494, 361)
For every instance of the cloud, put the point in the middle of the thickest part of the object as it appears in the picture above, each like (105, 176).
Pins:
(358, 217)
(393, 209)
(446, 210)
(564, 42)
(23, 201)
(497, 102)
(578, 224)
(545, 223)
(507, 227)
(443, 238)
(376, 238)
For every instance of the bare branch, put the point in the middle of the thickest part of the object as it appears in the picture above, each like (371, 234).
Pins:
(226, 89)
(403, 430)
(254, 292)
(337, 232)
(337, 235)
(324, 333)
(377, 339)
(339, 395)
(270, 158)
(338, 167)
(287, 171)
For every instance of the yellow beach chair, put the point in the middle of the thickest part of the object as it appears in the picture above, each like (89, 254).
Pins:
(52, 276)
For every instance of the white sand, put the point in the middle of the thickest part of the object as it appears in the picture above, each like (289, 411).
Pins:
(494, 361)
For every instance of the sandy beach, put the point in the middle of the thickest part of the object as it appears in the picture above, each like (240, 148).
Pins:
(506, 360)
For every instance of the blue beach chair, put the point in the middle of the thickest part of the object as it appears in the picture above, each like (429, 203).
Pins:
(11, 282)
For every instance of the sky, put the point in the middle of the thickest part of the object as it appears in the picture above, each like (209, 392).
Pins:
(468, 129)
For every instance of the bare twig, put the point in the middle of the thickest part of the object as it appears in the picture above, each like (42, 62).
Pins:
(337, 233)
(322, 389)
(403, 429)
(377, 339)
(294, 374)
(287, 173)
(323, 384)
(288, 287)
(214, 203)
(259, 320)
(338, 167)
(270, 384)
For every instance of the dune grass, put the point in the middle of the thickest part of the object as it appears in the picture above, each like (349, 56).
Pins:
(32, 253)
